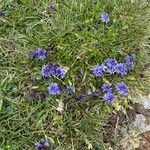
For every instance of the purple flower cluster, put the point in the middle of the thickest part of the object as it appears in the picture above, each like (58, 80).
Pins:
(109, 96)
(121, 69)
(96, 93)
(112, 66)
(35, 95)
(40, 54)
(98, 70)
(1, 13)
(52, 69)
(122, 88)
(129, 61)
(107, 88)
(105, 17)
(42, 145)
(54, 89)
(69, 89)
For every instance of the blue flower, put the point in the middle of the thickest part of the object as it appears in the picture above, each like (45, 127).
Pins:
(107, 88)
(109, 97)
(96, 93)
(40, 53)
(46, 71)
(52, 69)
(42, 145)
(122, 88)
(105, 17)
(32, 95)
(69, 89)
(42, 96)
(81, 97)
(98, 70)
(60, 72)
(39, 146)
(46, 144)
(129, 61)
(53, 89)
(32, 54)
(122, 69)
(1, 13)
(111, 65)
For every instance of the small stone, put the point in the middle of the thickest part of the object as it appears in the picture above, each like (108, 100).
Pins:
(146, 103)
(142, 123)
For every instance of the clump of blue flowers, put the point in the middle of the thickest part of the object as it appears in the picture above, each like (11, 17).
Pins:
(1, 13)
(121, 69)
(112, 66)
(129, 61)
(40, 54)
(52, 69)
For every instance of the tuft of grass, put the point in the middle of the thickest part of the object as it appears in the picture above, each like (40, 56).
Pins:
(76, 39)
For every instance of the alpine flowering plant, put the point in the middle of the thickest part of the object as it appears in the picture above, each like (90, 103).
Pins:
(95, 49)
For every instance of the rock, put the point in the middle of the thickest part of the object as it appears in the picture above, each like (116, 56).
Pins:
(146, 103)
(142, 123)
(144, 141)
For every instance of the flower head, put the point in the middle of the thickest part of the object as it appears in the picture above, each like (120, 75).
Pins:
(46, 71)
(46, 144)
(52, 69)
(81, 97)
(105, 17)
(42, 145)
(96, 93)
(122, 88)
(111, 65)
(109, 97)
(42, 96)
(32, 95)
(1, 13)
(32, 54)
(69, 89)
(53, 89)
(122, 69)
(60, 72)
(129, 61)
(107, 88)
(98, 70)
(40, 53)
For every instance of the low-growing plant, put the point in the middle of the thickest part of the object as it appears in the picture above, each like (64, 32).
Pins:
(65, 66)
